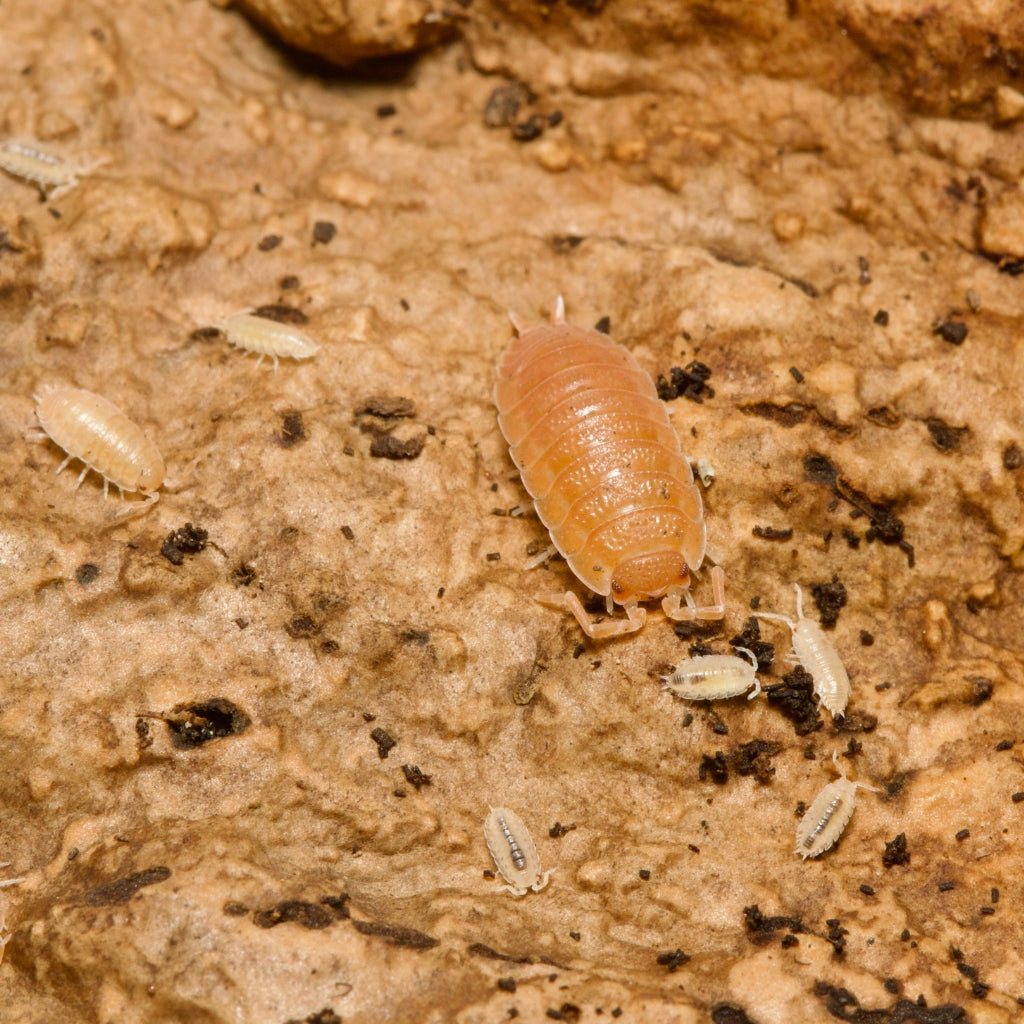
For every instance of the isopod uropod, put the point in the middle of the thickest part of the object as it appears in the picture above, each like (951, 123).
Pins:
(597, 452)
(815, 652)
(823, 823)
(714, 677)
(90, 428)
(514, 852)
(268, 337)
(32, 161)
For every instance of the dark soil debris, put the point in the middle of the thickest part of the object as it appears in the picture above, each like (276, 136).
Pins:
(750, 638)
(946, 438)
(673, 960)
(338, 905)
(691, 383)
(753, 758)
(761, 929)
(794, 697)
(387, 407)
(191, 725)
(717, 767)
(302, 627)
(86, 573)
(558, 830)
(414, 776)
(384, 446)
(384, 742)
(830, 598)
(293, 430)
(726, 1013)
(323, 232)
(837, 936)
(324, 1016)
(819, 469)
(306, 915)
(243, 575)
(115, 894)
(282, 314)
(896, 852)
(1013, 457)
(397, 935)
(953, 331)
(843, 1005)
(567, 1011)
(773, 532)
(186, 540)
(504, 102)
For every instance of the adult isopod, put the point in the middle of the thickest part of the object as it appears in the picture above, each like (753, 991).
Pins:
(824, 822)
(32, 161)
(268, 337)
(93, 430)
(815, 652)
(514, 852)
(714, 677)
(598, 455)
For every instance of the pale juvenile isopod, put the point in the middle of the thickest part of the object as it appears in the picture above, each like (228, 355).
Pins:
(93, 430)
(32, 161)
(815, 652)
(268, 337)
(714, 677)
(514, 852)
(823, 823)
(5, 932)
(597, 452)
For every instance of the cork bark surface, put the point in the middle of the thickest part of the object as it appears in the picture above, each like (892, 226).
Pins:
(250, 734)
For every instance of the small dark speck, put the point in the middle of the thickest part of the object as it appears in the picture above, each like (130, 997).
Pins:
(755, 602)
(644, 874)
(367, 717)
(865, 270)
(994, 895)
(882, 318)
(1017, 797)
(323, 232)
(692, 848)
(86, 573)
(288, 283)
(404, 304)
(384, 742)
(905, 935)
(400, 792)
(892, 986)
(574, 935)
(963, 833)
(867, 890)
(578, 650)
(617, 1012)
(953, 331)
(268, 242)
(879, 687)
(604, 325)
(1004, 745)
(348, 450)
(347, 532)
(493, 556)
(440, 591)
(797, 375)
(386, 110)
(789, 941)
(687, 719)
(866, 638)
(488, 873)
(1013, 457)
(946, 886)
(507, 984)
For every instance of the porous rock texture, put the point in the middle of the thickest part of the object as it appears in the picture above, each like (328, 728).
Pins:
(251, 735)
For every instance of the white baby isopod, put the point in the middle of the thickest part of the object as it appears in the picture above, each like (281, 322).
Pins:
(714, 677)
(514, 852)
(268, 337)
(93, 430)
(44, 167)
(824, 822)
(815, 652)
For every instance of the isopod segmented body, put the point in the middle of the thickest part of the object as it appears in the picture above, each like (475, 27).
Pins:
(815, 652)
(92, 429)
(714, 677)
(32, 161)
(514, 853)
(824, 822)
(597, 452)
(269, 338)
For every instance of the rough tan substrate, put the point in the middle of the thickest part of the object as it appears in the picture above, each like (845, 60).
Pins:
(755, 222)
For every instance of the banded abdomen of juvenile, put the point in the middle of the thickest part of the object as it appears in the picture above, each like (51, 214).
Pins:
(599, 456)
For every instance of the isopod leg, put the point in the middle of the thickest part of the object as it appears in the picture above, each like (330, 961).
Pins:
(673, 607)
(81, 477)
(636, 617)
(544, 879)
(64, 463)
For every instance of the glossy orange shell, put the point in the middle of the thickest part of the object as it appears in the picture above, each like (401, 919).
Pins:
(598, 454)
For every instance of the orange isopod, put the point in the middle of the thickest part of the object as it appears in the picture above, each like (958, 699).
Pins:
(597, 452)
